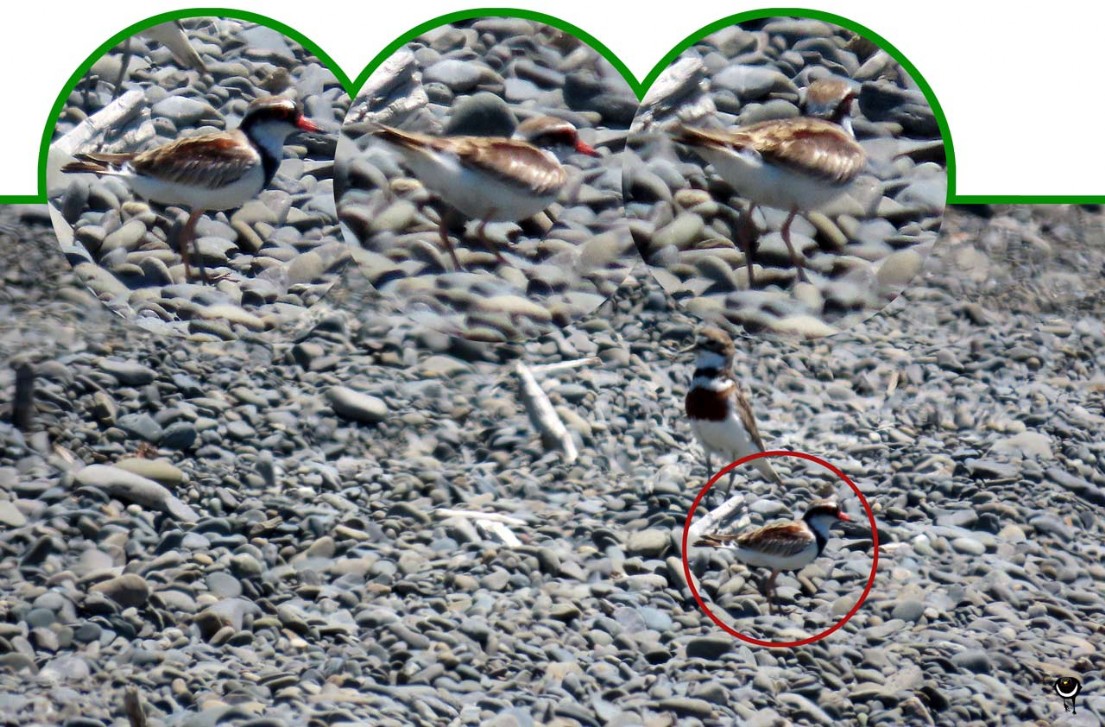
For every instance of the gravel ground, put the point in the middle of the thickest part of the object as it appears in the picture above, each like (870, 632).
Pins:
(270, 533)
(859, 252)
(482, 77)
(281, 251)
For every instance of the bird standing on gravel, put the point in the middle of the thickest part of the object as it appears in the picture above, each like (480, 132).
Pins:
(490, 178)
(217, 171)
(720, 414)
(782, 546)
(796, 164)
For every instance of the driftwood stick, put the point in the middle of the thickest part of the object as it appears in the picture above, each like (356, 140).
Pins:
(543, 369)
(132, 704)
(712, 519)
(115, 114)
(23, 403)
(473, 515)
(542, 415)
(492, 526)
(498, 531)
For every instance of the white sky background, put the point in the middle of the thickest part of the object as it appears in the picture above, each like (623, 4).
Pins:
(1011, 79)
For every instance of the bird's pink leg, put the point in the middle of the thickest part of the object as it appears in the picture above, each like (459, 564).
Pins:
(444, 231)
(769, 590)
(187, 236)
(793, 255)
(487, 243)
(747, 235)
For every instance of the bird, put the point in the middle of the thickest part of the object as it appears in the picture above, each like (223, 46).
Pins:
(796, 164)
(718, 409)
(172, 36)
(1068, 688)
(782, 546)
(490, 178)
(831, 99)
(217, 171)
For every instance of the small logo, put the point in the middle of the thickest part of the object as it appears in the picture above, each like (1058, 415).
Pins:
(1068, 688)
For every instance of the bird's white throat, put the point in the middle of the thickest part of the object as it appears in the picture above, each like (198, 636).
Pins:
(270, 136)
(710, 360)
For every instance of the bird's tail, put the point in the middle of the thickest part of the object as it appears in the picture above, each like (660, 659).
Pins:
(765, 468)
(97, 163)
(392, 135)
(695, 136)
(715, 540)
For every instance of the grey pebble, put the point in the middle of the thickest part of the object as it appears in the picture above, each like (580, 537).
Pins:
(128, 590)
(141, 426)
(129, 373)
(135, 488)
(356, 406)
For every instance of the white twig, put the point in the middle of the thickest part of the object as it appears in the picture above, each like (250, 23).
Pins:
(492, 526)
(498, 531)
(474, 515)
(543, 369)
(114, 115)
(712, 519)
(542, 415)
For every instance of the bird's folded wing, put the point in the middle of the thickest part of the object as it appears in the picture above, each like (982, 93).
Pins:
(814, 147)
(515, 162)
(748, 419)
(213, 160)
(782, 539)
(512, 161)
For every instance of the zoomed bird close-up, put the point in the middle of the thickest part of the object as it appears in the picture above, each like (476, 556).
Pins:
(190, 179)
(783, 546)
(218, 171)
(785, 184)
(490, 178)
(479, 179)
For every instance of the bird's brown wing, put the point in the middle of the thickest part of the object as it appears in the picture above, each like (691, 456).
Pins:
(214, 160)
(507, 159)
(811, 146)
(510, 160)
(747, 417)
(781, 539)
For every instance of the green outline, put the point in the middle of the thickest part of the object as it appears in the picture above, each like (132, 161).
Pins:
(639, 87)
(103, 48)
(883, 43)
(475, 13)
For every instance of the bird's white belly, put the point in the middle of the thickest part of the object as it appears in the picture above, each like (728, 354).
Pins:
(727, 437)
(477, 195)
(770, 185)
(796, 561)
(227, 197)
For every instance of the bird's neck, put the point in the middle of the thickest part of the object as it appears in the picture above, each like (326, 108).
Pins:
(819, 526)
(711, 379)
(711, 371)
(268, 139)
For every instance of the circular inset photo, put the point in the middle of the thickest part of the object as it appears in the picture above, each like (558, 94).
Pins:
(785, 175)
(479, 178)
(765, 567)
(190, 178)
